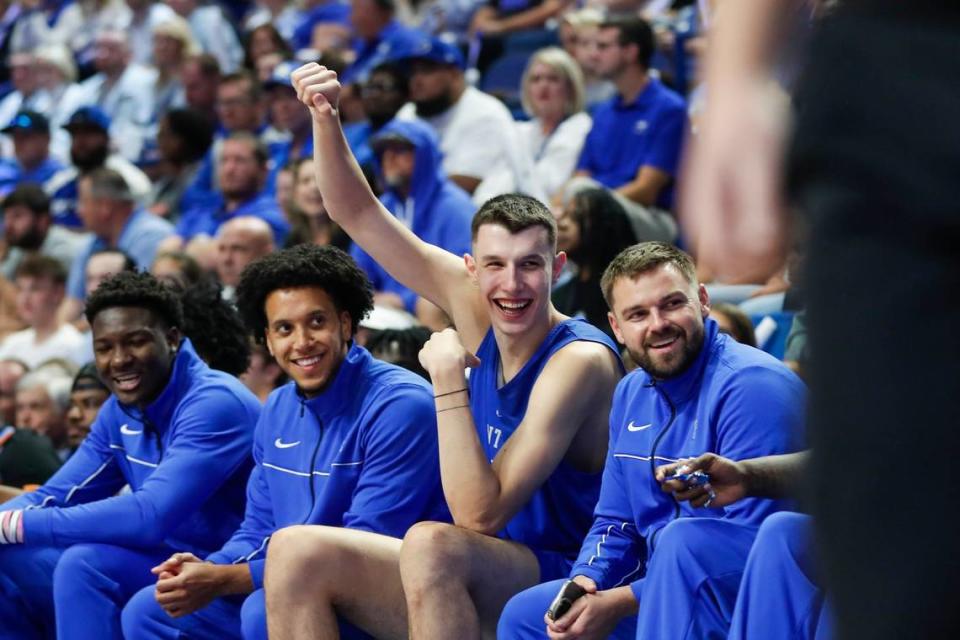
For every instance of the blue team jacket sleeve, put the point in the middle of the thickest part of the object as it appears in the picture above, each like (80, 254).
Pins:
(761, 413)
(613, 553)
(399, 481)
(249, 543)
(91, 473)
(211, 440)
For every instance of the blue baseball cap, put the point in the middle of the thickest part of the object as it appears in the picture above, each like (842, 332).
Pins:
(280, 76)
(88, 118)
(27, 120)
(434, 50)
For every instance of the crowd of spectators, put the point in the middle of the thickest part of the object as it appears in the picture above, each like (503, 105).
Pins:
(169, 137)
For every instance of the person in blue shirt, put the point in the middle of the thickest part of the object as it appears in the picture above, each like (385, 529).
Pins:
(175, 432)
(780, 595)
(30, 131)
(382, 95)
(696, 390)
(637, 136)
(350, 442)
(242, 176)
(521, 445)
(377, 35)
(421, 196)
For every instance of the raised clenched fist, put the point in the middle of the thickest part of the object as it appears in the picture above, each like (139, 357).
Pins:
(318, 88)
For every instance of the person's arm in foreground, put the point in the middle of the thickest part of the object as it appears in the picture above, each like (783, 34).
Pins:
(730, 203)
(433, 273)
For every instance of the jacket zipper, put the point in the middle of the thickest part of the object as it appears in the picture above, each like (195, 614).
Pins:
(653, 455)
(313, 463)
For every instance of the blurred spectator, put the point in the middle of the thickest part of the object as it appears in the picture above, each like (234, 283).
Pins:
(26, 457)
(40, 291)
(382, 96)
(634, 145)
(264, 374)
(240, 241)
(547, 146)
(496, 19)
(176, 269)
(87, 394)
(80, 23)
(578, 35)
(183, 137)
(43, 397)
(144, 16)
(288, 114)
(28, 228)
(214, 327)
(281, 16)
(242, 175)
(283, 194)
(469, 123)
(107, 208)
(400, 347)
(733, 322)
(31, 149)
(377, 36)
(200, 77)
(57, 75)
(104, 263)
(26, 92)
(323, 24)
(592, 229)
(172, 45)
(265, 40)
(213, 31)
(11, 370)
(123, 90)
(89, 151)
(309, 220)
(421, 197)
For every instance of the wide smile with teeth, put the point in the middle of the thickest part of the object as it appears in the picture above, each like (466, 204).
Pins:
(664, 343)
(512, 306)
(306, 362)
(127, 381)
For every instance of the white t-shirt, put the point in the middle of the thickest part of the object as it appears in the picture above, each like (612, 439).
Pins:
(538, 165)
(473, 133)
(22, 345)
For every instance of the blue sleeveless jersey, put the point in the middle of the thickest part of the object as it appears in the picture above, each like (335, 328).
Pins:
(560, 512)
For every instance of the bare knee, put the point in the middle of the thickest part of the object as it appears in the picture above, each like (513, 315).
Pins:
(434, 552)
(301, 560)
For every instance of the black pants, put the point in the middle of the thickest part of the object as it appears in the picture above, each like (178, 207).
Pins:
(875, 167)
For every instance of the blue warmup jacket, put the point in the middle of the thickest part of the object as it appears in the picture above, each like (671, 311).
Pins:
(733, 400)
(441, 213)
(362, 454)
(207, 217)
(186, 459)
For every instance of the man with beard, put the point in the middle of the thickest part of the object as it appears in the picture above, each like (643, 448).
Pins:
(471, 125)
(32, 162)
(89, 150)
(28, 227)
(382, 95)
(697, 390)
(175, 431)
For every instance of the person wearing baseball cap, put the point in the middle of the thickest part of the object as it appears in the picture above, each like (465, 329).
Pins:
(30, 131)
(471, 124)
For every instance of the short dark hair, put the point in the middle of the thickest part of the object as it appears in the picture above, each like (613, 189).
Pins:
(136, 289)
(641, 258)
(260, 152)
(128, 263)
(207, 64)
(254, 91)
(739, 322)
(215, 328)
(304, 265)
(195, 130)
(40, 266)
(633, 30)
(515, 212)
(30, 195)
(189, 267)
(88, 378)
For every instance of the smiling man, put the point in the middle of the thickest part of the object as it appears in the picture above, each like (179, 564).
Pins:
(697, 390)
(521, 444)
(175, 431)
(350, 444)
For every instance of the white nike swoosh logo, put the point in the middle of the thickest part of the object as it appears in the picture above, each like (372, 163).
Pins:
(279, 444)
(127, 431)
(633, 427)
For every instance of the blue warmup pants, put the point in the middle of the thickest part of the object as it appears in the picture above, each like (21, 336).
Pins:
(692, 579)
(230, 618)
(779, 596)
(73, 593)
(522, 618)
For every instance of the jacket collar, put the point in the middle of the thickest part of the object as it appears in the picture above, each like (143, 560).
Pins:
(333, 400)
(681, 387)
(186, 367)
